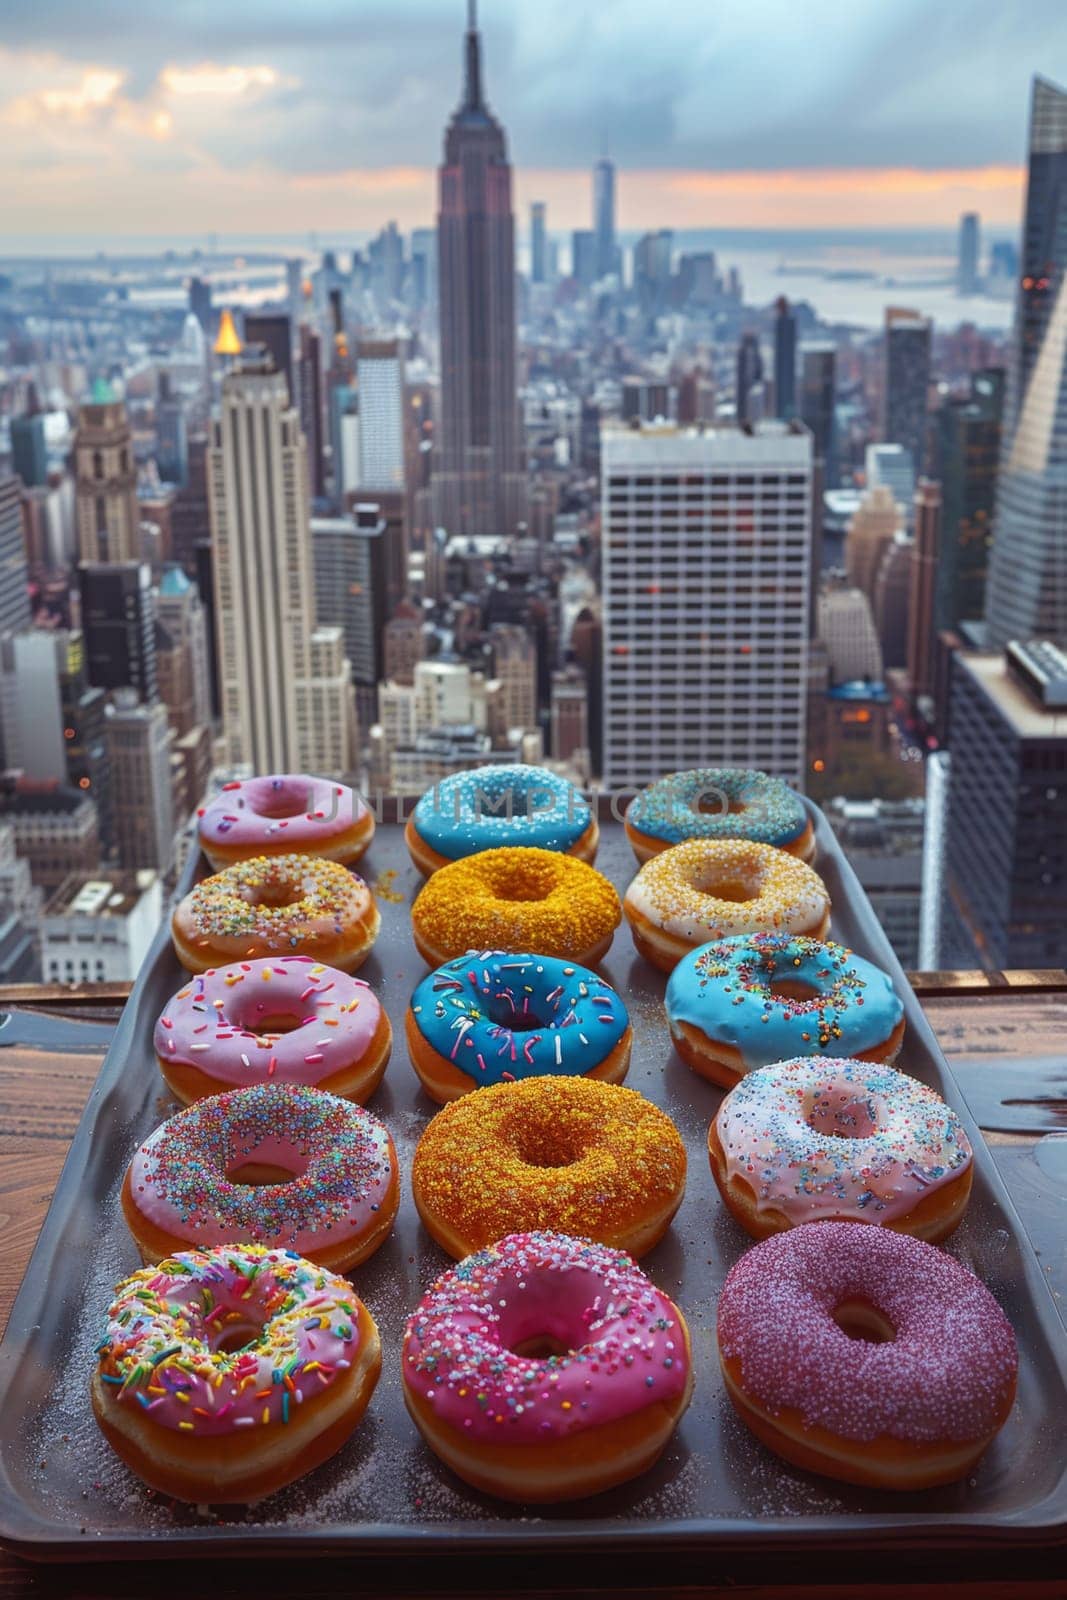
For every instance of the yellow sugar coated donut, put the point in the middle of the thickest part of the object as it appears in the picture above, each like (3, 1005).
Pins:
(572, 1155)
(516, 898)
(711, 889)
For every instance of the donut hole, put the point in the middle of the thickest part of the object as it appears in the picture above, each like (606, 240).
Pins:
(281, 893)
(266, 1165)
(276, 1022)
(281, 804)
(841, 1117)
(711, 805)
(733, 889)
(548, 1145)
(540, 1347)
(859, 1319)
(505, 1014)
(236, 1336)
(792, 989)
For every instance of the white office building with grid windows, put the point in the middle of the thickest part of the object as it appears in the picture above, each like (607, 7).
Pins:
(706, 539)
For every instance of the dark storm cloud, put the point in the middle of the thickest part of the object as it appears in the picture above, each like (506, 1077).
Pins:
(764, 84)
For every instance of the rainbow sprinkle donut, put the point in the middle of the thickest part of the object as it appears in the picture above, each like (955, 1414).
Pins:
(703, 890)
(329, 1186)
(719, 803)
(277, 906)
(491, 807)
(225, 1373)
(755, 998)
(281, 814)
(496, 1017)
(540, 1426)
(808, 1140)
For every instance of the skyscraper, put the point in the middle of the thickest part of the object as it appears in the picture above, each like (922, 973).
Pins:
(309, 404)
(706, 550)
(274, 331)
(907, 379)
(479, 484)
(604, 216)
(349, 555)
(584, 257)
(1026, 596)
(172, 436)
(286, 689)
(924, 558)
(785, 360)
(967, 264)
(181, 652)
(119, 624)
(538, 242)
(105, 479)
(138, 743)
(749, 374)
(380, 380)
(14, 588)
(818, 398)
(968, 455)
(1005, 835)
(29, 450)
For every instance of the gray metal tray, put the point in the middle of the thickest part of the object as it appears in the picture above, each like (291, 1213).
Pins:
(63, 1495)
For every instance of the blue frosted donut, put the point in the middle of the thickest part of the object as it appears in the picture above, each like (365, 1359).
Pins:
(718, 803)
(730, 1010)
(499, 805)
(494, 1017)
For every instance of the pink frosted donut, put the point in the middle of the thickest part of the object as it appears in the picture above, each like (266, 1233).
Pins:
(224, 1374)
(286, 1019)
(546, 1368)
(287, 813)
(278, 1164)
(866, 1355)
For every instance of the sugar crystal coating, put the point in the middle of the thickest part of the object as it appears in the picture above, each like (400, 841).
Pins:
(947, 1375)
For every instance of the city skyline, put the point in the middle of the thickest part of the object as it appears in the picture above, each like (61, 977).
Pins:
(327, 117)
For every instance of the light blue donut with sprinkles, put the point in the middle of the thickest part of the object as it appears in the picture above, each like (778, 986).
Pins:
(501, 805)
(727, 990)
(719, 803)
(498, 1016)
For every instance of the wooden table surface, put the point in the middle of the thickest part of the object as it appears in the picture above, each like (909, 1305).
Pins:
(42, 1093)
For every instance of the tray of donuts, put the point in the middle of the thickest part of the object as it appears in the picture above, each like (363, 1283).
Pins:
(530, 1178)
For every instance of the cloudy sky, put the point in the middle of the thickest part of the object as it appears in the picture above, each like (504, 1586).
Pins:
(269, 116)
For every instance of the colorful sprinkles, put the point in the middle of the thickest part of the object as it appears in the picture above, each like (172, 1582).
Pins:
(726, 989)
(339, 1155)
(711, 889)
(498, 1016)
(162, 1347)
(274, 904)
(846, 1139)
(624, 1344)
(719, 803)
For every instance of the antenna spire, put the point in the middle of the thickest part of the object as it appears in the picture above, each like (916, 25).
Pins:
(472, 82)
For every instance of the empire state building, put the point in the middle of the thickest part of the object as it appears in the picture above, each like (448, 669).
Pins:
(479, 485)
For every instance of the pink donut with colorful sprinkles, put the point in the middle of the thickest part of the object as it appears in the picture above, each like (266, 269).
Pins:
(284, 1019)
(546, 1368)
(286, 813)
(866, 1355)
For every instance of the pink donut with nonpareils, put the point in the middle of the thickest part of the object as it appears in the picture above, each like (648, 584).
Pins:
(287, 1020)
(285, 813)
(546, 1367)
(866, 1355)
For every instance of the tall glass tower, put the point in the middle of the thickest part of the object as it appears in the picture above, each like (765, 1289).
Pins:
(1026, 597)
(479, 485)
(604, 216)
